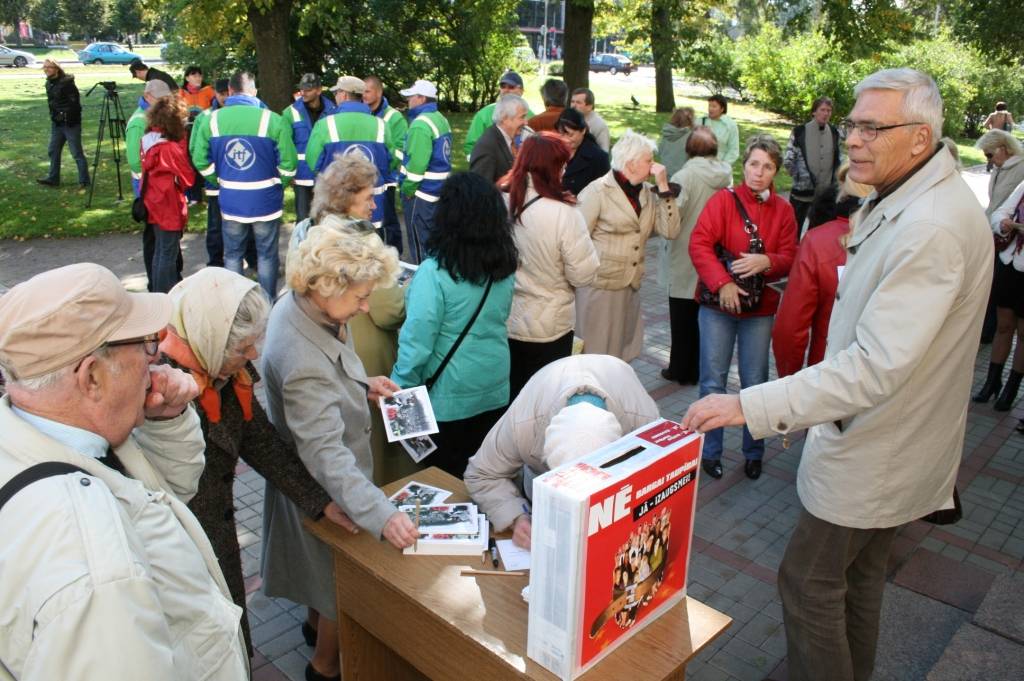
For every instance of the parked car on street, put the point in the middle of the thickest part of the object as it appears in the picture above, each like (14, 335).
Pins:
(106, 53)
(612, 63)
(9, 57)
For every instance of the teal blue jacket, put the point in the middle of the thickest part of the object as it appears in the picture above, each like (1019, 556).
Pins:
(437, 309)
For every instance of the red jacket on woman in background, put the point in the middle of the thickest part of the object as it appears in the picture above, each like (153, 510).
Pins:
(807, 306)
(167, 173)
(721, 223)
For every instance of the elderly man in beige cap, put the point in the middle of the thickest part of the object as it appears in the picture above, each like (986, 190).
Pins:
(104, 572)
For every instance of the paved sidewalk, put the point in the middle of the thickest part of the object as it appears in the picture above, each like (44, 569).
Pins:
(954, 602)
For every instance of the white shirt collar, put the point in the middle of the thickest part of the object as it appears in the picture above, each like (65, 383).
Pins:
(82, 441)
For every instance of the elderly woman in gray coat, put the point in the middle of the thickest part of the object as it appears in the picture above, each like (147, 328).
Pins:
(317, 397)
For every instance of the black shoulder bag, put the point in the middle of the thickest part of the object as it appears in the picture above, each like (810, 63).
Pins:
(40, 471)
(754, 284)
(139, 212)
(458, 341)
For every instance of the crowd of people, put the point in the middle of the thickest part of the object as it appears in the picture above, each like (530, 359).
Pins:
(126, 413)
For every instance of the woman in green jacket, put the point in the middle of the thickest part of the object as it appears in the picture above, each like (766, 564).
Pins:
(472, 257)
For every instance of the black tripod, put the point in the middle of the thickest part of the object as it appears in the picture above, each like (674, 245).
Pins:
(112, 125)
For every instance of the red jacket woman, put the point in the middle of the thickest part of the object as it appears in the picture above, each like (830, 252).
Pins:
(721, 223)
(168, 173)
(807, 306)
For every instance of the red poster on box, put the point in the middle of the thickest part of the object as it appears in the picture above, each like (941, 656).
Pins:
(618, 526)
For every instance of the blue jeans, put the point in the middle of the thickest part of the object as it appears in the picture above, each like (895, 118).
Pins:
(419, 221)
(72, 134)
(215, 237)
(719, 333)
(392, 227)
(265, 235)
(161, 253)
(303, 200)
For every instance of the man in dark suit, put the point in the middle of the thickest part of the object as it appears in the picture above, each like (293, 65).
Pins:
(494, 153)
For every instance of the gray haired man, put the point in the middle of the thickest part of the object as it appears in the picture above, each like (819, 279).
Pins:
(495, 151)
(887, 408)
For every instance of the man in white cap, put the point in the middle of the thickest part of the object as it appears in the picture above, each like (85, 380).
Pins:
(426, 163)
(104, 572)
(569, 408)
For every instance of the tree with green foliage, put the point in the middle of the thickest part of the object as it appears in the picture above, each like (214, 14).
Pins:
(579, 25)
(47, 16)
(12, 12)
(86, 17)
(995, 28)
(127, 17)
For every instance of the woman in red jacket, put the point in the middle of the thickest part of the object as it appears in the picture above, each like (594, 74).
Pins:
(166, 174)
(764, 248)
(811, 290)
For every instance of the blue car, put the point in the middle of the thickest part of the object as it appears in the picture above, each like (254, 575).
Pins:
(106, 53)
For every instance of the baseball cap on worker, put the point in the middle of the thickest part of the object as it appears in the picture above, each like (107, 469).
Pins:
(61, 316)
(424, 88)
(309, 81)
(157, 88)
(511, 78)
(349, 84)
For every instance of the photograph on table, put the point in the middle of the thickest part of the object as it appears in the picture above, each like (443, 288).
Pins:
(444, 518)
(408, 413)
(421, 492)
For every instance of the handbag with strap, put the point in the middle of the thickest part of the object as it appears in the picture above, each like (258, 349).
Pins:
(429, 383)
(753, 284)
(139, 211)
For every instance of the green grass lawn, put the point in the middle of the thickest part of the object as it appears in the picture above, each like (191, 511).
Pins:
(28, 209)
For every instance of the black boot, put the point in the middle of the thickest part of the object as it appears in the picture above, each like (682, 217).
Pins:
(992, 384)
(1009, 394)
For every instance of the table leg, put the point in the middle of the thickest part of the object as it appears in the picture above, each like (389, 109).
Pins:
(365, 658)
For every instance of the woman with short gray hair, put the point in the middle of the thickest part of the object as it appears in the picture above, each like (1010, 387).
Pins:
(623, 210)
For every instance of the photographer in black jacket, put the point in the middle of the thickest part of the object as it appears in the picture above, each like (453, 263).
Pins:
(66, 123)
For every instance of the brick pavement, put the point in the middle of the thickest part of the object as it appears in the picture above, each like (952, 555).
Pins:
(939, 577)
(954, 597)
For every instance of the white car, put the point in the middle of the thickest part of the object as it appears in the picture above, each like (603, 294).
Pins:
(9, 57)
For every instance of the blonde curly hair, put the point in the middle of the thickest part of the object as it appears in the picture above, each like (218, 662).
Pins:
(327, 261)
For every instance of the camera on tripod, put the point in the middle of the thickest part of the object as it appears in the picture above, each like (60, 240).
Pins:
(109, 85)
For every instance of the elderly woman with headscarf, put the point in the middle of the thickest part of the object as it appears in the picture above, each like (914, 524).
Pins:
(318, 397)
(218, 323)
(343, 199)
(622, 211)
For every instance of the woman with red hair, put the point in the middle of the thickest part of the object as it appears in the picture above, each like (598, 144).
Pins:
(556, 255)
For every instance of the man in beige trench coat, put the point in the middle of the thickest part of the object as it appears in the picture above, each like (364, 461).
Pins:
(887, 408)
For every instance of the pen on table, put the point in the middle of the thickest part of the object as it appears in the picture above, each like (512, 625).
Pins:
(416, 542)
(493, 547)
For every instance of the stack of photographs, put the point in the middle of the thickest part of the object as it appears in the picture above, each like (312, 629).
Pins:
(445, 529)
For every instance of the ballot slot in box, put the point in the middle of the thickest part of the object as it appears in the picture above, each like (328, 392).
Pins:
(611, 540)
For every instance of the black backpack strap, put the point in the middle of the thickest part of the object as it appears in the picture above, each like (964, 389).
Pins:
(429, 383)
(32, 474)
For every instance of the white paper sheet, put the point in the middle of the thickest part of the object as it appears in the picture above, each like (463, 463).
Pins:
(512, 556)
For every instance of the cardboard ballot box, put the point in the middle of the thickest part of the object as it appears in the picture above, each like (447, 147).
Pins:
(611, 545)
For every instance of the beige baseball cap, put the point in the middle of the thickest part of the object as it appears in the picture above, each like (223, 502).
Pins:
(349, 84)
(58, 317)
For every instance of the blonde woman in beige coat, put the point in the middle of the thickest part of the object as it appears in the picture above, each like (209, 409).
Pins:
(622, 211)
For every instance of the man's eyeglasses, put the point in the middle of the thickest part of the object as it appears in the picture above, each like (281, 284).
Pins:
(151, 343)
(869, 131)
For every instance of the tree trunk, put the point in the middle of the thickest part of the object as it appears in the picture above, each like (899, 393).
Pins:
(663, 50)
(270, 32)
(579, 23)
